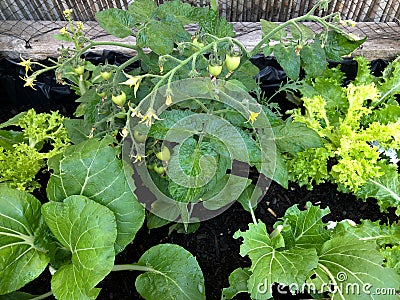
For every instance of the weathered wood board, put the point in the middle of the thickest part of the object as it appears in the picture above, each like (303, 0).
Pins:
(383, 38)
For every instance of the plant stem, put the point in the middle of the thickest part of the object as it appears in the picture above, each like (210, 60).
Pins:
(44, 296)
(133, 267)
(253, 216)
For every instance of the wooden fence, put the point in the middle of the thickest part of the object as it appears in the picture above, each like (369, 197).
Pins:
(233, 10)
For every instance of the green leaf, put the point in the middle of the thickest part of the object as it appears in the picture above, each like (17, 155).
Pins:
(250, 197)
(88, 230)
(153, 221)
(267, 27)
(92, 169)
(245, 74)
(287, 266)
(390, 85)
(338, 45)
(293, 137)
(18, 296)
(14, 121)
(313, 59)
(22, 259)
(301, 32)
(142, 10)
(172, 273)
(386, 189)
(288, 59)
(306, 227)
(77, 131)
(347, 262)
(116, 22)
(392, 257)
(10, 137)
(237, 283)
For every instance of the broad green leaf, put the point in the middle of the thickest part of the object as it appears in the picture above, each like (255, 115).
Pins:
(10, 137)
(250, 197)
(237, 283)
(269, 265)
(267, 27)
(293, 137)
(184, 12)
(116, 22)
(226, 190)
(22, 257)
(386, 189)
(154, 221)
(77, 131)
(92, 169)
(14, 121)
(313, 59)
(301, 32)
(288, 59)
(307, 229)
(88, 230)
(245, 74)
(142, 10)
(18, 296)
(172, 273)
(337, 45)
(353, 265)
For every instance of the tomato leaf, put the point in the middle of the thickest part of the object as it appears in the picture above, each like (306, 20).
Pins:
(338, 45)
(288, 59)
(116, 22)
(142, 10)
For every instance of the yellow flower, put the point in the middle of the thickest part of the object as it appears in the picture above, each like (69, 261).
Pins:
(253, 116)
(148, 117)
(25, 63)
(168, 100)
(132, 81)
(64, 31)
(138, 157)
(136, 113)
(80, 26)
(67, 13)
(29, 81)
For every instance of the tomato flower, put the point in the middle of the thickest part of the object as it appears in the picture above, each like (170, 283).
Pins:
(149, 116)
(253, 116)
(132, 81)
(29, 82)
(26, 63)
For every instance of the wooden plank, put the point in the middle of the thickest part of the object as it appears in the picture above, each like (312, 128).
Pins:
(380, 44)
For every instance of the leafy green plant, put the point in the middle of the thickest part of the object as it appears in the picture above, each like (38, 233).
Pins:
(303, 254)
(359, 125)
(91, 216)
(24, 153)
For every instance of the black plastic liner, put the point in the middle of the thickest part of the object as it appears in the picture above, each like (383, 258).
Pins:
(49, 95)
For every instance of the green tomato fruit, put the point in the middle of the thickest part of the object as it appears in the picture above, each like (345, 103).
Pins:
(164, 154)
(79, 70)
(197, 43)
(106, 75)
(119, 99)
(160, 170)
(232, 62)
(141, 138)
(214, 70)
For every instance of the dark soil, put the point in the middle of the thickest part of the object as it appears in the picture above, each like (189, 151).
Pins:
(212, 244)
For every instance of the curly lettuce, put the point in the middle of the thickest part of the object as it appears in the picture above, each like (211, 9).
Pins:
(352, 119)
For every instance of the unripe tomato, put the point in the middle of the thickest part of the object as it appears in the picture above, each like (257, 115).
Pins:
(232, 62)
(106, 75)
(160, 170)
(164, 154)
(119, 99)
(197, 43)
(214, 70)
(141, 138)
(79, 70)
